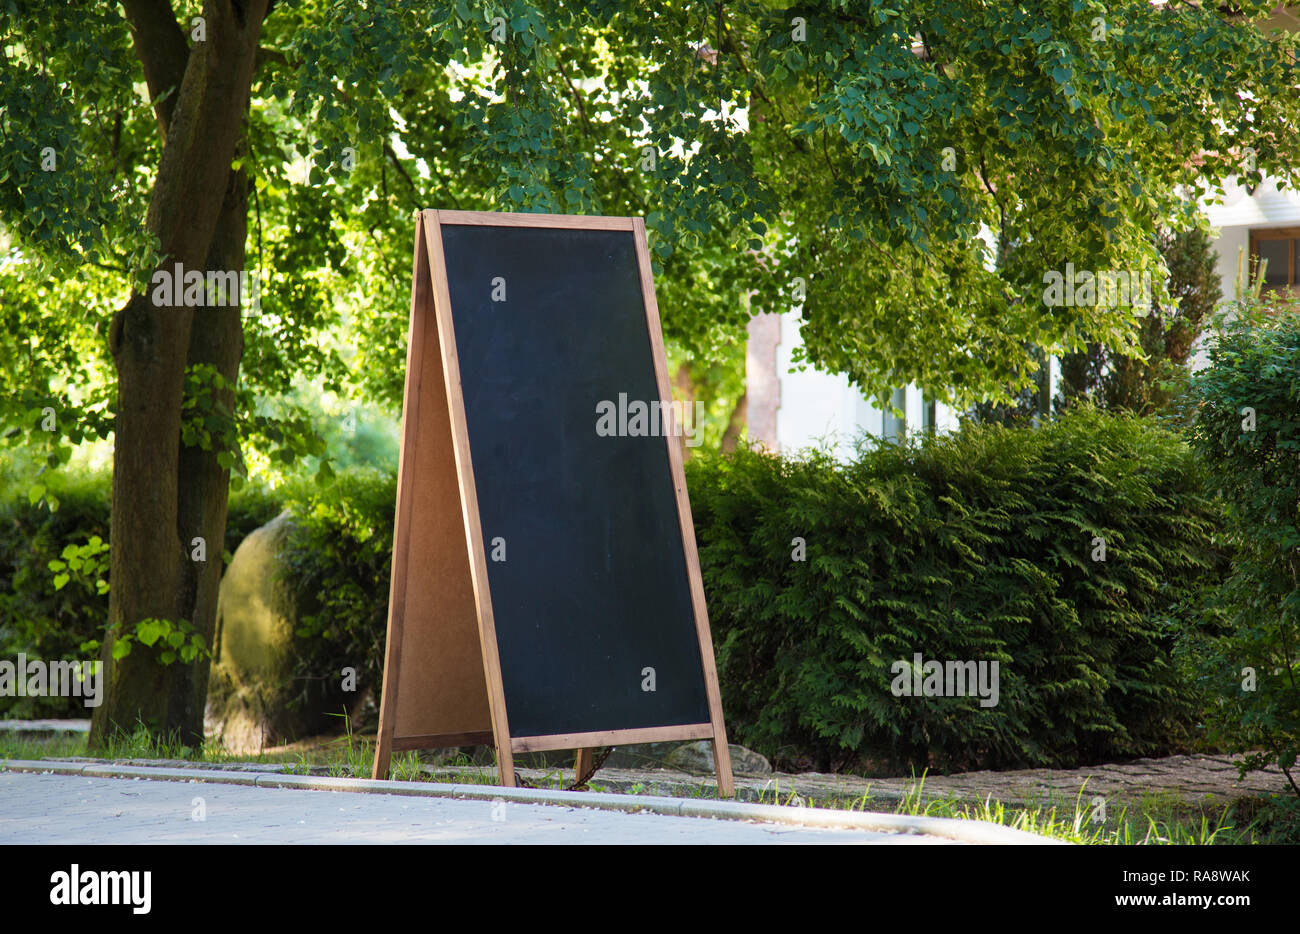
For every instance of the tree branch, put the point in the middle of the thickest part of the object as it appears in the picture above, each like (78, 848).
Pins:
(161, 47)
(274, 55)
(397, 164)
(577, 99)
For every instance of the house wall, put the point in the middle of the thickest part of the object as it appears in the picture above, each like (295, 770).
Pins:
(1242, 212)
(812, 408)
(1234, 219)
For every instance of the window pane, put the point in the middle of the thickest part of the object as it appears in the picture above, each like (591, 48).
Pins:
(895, 427)
(1278, 254)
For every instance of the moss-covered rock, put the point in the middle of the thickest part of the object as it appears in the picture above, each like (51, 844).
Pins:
(253, 697)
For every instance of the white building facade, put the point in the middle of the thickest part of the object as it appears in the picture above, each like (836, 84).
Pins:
(789, 410)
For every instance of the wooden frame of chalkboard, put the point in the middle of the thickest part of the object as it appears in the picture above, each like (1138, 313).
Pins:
(443, 674)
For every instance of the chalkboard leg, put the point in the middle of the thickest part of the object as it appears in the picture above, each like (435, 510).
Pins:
(506, 763)
(722, 761)
(383, 755)
(582, 765)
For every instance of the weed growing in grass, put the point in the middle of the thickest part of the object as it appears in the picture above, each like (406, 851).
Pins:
(214, 750)
(459, 769)
(356, 756)
(408, 768)
(142, 743)
(301, 767)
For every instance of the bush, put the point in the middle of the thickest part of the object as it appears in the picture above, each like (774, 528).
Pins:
(971, 547)
(1166, 336)
(40, 621)
(1245, 421)
(976, 546)
(248, 509)
(36, 619)
(339, 556)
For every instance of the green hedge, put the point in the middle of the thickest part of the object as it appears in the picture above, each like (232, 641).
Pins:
(972, 547)
(339, 555)
(36, 619)
(42, 622)
(976, 546)
(1245, 422)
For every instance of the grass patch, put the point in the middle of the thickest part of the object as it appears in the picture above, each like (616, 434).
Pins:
(1158, 818)
(41, 745)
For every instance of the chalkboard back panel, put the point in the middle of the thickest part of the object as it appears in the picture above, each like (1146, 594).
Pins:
(432, 581)
(594, 587)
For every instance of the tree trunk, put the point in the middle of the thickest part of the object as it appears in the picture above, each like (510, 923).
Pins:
(736, 424)
(686, 390)
(203, 484)
(165, 495)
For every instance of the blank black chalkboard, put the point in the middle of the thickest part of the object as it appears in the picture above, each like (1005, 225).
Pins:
(527, 533)
(593, 589)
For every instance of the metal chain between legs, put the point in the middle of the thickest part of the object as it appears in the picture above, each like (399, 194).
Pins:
(579, 781)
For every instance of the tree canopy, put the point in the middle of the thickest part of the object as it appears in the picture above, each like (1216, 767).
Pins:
(802, 142)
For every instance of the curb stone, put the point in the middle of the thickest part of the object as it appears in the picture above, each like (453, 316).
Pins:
(662, 782)
(962, 831)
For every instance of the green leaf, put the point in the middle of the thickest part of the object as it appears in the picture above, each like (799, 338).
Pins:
(149, 631)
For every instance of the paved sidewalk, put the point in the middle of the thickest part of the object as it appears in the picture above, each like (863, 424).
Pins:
(68, 809)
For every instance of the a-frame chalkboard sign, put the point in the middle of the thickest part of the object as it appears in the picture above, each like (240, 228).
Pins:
(546, 589)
